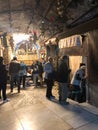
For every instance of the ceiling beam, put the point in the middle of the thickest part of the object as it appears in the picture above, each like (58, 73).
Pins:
(49, 8)
(83, 15)
(80, 29)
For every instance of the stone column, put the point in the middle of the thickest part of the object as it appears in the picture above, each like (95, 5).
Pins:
(7, 49)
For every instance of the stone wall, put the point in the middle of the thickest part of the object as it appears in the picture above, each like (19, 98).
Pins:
(93, 56)
(93, 66)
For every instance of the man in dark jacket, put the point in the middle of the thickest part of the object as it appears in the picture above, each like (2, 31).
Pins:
(14, 68)
(49, 69)
(63, 78)
(3, 80)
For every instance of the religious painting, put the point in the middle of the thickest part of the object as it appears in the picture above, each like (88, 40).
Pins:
(25, 47)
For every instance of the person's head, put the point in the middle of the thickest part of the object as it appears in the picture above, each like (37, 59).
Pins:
(22, 62)
(1, 59)
(37, 61)
(83, 67)
(50, 59)
(15, 58)
(65, 58)
(82, 64)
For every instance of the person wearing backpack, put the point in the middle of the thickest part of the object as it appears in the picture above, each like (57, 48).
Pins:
(63, 72)
(23, 73)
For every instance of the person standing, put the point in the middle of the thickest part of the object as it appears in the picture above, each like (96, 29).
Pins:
(23, 73)
(36, 71)
(78, 82)
(49, 69)
(3, 80)
(14, 68)
(40, 73)
(63, 72)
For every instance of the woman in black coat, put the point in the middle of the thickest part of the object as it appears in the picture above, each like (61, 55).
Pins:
(3, 80)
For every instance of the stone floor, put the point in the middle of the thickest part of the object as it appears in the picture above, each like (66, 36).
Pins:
(30, 110)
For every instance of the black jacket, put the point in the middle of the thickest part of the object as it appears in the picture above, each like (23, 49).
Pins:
(63, 73)
(3, 74)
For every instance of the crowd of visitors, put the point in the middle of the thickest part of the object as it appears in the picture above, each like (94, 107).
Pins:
(44, 73)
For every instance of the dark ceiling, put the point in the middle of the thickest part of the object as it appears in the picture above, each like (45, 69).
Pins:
(47, 18)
